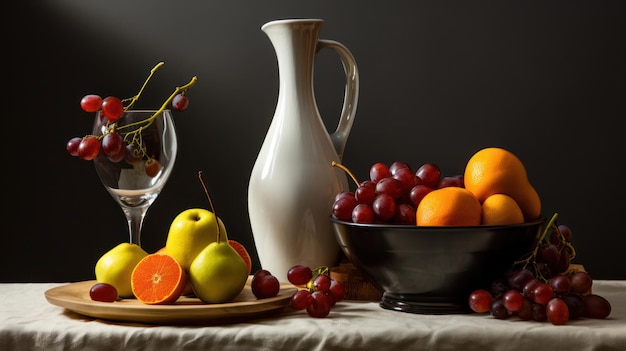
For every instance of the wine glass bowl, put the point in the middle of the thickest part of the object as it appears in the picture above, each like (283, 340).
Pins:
(134, 174)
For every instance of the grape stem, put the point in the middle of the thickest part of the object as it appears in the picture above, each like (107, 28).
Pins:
(136, 97)
(317, 271)
(345, 169)
(135, 135)
(531, 259)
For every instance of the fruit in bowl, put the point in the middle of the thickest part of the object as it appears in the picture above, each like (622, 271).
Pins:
(427, 239)
(493, 189)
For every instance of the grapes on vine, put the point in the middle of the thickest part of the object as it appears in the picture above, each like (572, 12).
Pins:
(318, 291)
(537, 288)
(122, 142)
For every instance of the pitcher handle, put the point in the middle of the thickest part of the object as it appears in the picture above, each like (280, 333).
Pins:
(351, 96)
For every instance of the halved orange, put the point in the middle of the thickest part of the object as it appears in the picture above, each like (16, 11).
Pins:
(158, 279)
(241, 250)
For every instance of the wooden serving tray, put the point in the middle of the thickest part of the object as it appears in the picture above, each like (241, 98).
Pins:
(186, 310)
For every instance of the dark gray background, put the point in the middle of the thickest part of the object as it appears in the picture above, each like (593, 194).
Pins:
(439, 80)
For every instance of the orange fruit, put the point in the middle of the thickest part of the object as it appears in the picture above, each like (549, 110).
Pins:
(449, 206)
(241, 250)
(158, 279)
(501, 209)
(494, 170)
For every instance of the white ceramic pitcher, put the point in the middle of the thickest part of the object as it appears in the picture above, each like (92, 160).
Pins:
(293, 184)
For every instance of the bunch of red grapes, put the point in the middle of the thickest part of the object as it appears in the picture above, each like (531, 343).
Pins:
(391, 194)
(322, 292)
(319, 294)
(540, 287)
(112, 143)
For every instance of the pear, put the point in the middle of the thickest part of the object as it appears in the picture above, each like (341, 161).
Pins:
(218, 273)
(116, 266)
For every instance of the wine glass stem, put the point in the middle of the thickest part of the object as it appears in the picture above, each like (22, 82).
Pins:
(135, 216)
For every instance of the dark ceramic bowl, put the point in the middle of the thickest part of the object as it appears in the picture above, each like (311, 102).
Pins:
(432, 270)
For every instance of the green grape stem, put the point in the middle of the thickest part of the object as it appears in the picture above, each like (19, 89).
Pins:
(316, 272)
(135, 135)
(145, 83)
(531, 258)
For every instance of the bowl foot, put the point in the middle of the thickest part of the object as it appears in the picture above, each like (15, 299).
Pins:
(423, 305)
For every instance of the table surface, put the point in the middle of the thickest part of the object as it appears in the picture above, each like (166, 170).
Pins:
(29, 322)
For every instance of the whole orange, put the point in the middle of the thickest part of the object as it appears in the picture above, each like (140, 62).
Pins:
(449, 206)
(501, 209)
(494, 170)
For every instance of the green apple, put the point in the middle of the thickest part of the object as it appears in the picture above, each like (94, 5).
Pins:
(116, 266)
(190, 232)
(218, 273)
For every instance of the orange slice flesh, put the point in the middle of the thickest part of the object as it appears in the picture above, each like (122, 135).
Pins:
(158, 279)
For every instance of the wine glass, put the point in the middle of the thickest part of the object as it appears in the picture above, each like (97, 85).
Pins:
(136, 175)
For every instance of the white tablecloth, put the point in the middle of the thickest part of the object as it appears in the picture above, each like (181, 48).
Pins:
(29, 322)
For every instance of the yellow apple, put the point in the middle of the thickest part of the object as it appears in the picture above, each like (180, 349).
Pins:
(116, 266)
(190, 232)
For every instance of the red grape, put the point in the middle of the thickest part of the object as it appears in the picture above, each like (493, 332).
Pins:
(299, 274)
(363, 213)
(529, 288)
(398, 165)
(72, 145)
(180, 102)
(91, 103)
(543, 293)
(557, 311)
(596, 306)
(103, 292)
(519, 278)
(121, 155)
(132, 154)
(342, 208)
(379, 171)
(384, 207)
(418, 192)
(429, 173)
(301, 299)
(513, 300)
(264, 286)
(366, 192)
(581, 282)
(407, 178)
(498, 310)
(405, 214)
(153, 167)
(89, 148)
(549, 254)
(450, 181)
(322, 283)
(480, 300)
(320, 305)
(344, 194)
(112, 143)
(389, 186)
(337, 289)
(112, 108)
(561, 284)
(575, 305)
